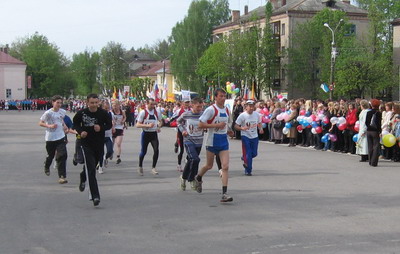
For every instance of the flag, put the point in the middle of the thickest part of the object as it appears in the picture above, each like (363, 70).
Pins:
(185, 95)
(246, 93)
(325, 87)
(253, 91)
(120, 97)
(115, 93)
(155, 92)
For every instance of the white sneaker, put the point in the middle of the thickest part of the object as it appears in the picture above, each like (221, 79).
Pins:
(101, 170)
(154, 171)
(140, 171)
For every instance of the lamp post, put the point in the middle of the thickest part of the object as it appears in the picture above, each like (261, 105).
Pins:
(333, 57)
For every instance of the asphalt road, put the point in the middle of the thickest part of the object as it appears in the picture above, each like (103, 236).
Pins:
(297, 201)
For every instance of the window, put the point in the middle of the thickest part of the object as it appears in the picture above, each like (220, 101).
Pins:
(8, 93)
(350, 30)
(276, 27)
(283, 29)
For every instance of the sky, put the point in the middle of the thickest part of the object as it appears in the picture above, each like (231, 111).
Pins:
(78, 25)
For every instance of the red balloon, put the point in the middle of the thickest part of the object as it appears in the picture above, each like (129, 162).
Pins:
(318, 129)
(357, 127)
(314, 117)
(302, 112)
(299, 127)
(342, 126)
(326, 120)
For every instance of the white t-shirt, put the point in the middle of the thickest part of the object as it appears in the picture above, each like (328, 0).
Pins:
(222, 116)
(52, 117)
(245, 119)
(151, 118)
(117, 119)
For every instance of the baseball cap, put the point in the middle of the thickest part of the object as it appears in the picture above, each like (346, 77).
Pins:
(250, 102)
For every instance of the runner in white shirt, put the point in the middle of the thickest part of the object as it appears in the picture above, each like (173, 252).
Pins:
(53, 121)
(247, 123)
(216, 119)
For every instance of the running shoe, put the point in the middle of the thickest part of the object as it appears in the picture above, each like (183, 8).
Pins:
(96, 201)
(226, 198)
(193, 185)
(74, 162)
(199, 187)
(118, 161)
(82, 186)
(140, 171)
(47, 171)
(62, 180)
(101, 170)
(183, 183)
(244, 163)
(154, 171)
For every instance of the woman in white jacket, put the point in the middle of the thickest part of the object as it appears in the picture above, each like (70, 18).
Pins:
(362, 144)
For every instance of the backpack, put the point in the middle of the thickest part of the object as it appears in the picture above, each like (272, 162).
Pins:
(216, 113)
(373, 122)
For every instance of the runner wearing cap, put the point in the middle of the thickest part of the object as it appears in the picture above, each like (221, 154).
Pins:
(247, 124)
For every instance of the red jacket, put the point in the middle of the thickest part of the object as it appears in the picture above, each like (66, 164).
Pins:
(351, 119)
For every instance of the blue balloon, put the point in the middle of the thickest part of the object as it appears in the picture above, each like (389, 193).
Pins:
(314, 124)
(355, 138)
(324, 139)
(288, 125)
(264, 125)
(305, 124)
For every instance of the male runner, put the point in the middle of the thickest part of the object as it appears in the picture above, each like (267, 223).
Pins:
(216, 118)
(149, 120)
(53, 121)
(247, 124)
(91, 123)
(188, 124)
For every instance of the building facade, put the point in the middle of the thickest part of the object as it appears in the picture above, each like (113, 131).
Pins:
(396, 55)
(286, 16)
(12, 77)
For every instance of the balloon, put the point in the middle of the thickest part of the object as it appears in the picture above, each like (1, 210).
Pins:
(314, 118)
(264, 125)
(233, 86)
(324, 139)
(334, 120)
(341, 120)
(333, 137)
(309, 119)
(318, 129)
(313, 131)
(302, 112)
(286, 117)
(326, 120)
(265, 119)
(357, 126)
(228, 89)
(314, 124)
(288, 125)
(355, 138)
(342, 126)
(265, 111)
(389, 140)
(321, 116)
(305, 124)
(279, 117)
(236, 90)
(285, 130)
(299, 128)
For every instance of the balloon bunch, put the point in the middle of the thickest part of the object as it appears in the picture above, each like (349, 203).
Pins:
(311, 121)
(328, 136)
(340, 122)
(285, 116)
(231, 88)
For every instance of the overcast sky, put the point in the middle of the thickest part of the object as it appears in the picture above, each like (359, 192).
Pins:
(76, 25)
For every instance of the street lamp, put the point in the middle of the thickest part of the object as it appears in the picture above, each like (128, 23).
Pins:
(333, 57)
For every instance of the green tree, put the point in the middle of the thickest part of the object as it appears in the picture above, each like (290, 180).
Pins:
(191, 37)
(113, 68)
(212, 64)
(45, 63)
(84, 68)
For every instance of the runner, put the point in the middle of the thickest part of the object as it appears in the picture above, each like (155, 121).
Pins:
(217, 120)
(247, 124)
(188, 124)
(119, 117)
(53, 121)
(91, 123)
(179, 138)
(150, 121)
(108, 142)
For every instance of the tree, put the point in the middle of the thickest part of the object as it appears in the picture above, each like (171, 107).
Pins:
(85, 67)
(212, 64)
(191, 37)
(45, 63)
(113, 68)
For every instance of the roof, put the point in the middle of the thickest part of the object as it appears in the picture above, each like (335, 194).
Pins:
(396, 22)
(299, 6)
(7, 59)
(153, 69)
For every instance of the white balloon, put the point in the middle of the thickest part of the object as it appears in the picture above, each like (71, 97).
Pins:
(321, 116)
(313, 131)
(334, 120)
(285, 130)
(309, 119)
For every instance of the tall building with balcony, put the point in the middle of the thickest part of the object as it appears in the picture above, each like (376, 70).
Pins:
(286, 16)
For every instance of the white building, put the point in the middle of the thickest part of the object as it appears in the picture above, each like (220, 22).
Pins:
(12, 77)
